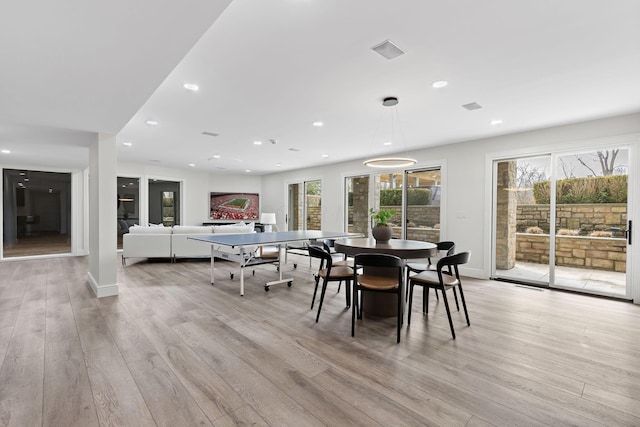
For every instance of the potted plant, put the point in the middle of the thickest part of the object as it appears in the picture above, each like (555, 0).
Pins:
(381, 230)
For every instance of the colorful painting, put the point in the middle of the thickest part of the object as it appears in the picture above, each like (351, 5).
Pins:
(234, 206)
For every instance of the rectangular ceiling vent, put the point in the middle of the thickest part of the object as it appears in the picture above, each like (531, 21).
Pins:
(388, 49)
(294, 149)
(472, 106)
(210, 134)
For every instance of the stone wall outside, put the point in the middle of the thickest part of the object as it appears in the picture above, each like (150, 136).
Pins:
(599, 253)
(583, 217)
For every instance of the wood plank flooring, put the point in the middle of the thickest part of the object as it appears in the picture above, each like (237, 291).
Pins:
(172, 350)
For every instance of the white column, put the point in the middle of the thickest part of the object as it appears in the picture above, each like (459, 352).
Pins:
(102, 216)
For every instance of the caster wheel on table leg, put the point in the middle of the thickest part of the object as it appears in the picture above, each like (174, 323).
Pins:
(231, 276)
(289, 284)
(266, 288)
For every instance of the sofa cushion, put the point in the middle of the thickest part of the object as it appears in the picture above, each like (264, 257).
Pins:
(232, 228)
(192, 229)
(149, 230)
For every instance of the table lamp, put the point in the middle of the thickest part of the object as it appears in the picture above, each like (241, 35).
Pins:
(268, 219)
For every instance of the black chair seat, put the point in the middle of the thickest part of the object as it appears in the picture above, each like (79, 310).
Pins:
(431, 278)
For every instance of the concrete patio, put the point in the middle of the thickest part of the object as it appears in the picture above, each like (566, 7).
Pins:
(597, 281)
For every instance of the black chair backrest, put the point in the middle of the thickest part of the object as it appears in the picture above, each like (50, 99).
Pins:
(378, 260)
(446, 245)
(320, 252)
(454, 261)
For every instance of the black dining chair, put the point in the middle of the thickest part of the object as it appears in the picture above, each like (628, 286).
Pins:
(444, 248)
(372, 282)
(441, 280)
(328, 273)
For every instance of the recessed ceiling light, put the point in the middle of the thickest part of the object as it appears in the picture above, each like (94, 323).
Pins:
(278, 165)
(247, 170)
(151, 122)
(26, 179)
(22, 174)
(190, 86)
(216, 156)
(124, 185)
(325, 155)
(131, 183)
(191, 165)
(127, 144)
(439, 84)
(6, 151)
(388, 143)
(496, 122)
(257, 142)
(318, 124)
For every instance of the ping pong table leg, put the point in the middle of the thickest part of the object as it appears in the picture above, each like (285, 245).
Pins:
(212, 258)
(241, 280)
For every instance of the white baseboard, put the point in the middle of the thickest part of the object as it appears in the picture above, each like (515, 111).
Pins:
(476, 273)
(104, 290)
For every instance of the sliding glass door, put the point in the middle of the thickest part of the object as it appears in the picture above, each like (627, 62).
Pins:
(357, 214)
(562, 220)
(305, 206)
(591, 221)
(422, 207)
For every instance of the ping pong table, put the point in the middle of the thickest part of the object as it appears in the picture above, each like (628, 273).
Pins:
(248, 242)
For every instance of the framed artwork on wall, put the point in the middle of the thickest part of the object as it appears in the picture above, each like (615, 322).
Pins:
(234, 206)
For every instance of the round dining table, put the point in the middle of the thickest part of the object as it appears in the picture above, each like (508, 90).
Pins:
(385, 305)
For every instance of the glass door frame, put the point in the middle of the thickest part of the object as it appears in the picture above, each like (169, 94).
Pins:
(632, 271)
(303, 185)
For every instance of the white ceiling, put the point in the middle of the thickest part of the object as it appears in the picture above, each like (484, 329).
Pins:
(268, 69)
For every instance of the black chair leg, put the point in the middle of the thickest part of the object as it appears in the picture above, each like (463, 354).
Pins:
(464, 305)
(410, 303)
(324, 289)
(400, 316)
(446, 305)
(315, 290)
(425, 303)
(354, 307)
(437, 296)
(456, 297)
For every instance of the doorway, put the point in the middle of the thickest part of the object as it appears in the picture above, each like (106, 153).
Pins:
(562, 221)
(305, 206)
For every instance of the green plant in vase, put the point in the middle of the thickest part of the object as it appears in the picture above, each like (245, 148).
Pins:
(381, 230)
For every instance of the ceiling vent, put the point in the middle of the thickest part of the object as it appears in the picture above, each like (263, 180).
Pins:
(210, 134)
(388, 49)
(294, 149)
(472, 106)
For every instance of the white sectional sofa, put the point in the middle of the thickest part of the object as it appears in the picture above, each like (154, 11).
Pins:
(174, 242)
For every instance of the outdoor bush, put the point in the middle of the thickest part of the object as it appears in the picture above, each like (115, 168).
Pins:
(599, 189)
(567, 232)
(600, 234)
(415, 196)
(534, 230)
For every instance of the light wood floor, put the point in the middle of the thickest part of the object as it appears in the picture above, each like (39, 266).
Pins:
(172, 350)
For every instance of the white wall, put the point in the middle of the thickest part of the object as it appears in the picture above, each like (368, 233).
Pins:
(195, 188)
(466, 180)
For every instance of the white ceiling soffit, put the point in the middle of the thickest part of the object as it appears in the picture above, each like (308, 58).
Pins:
(91, 65)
